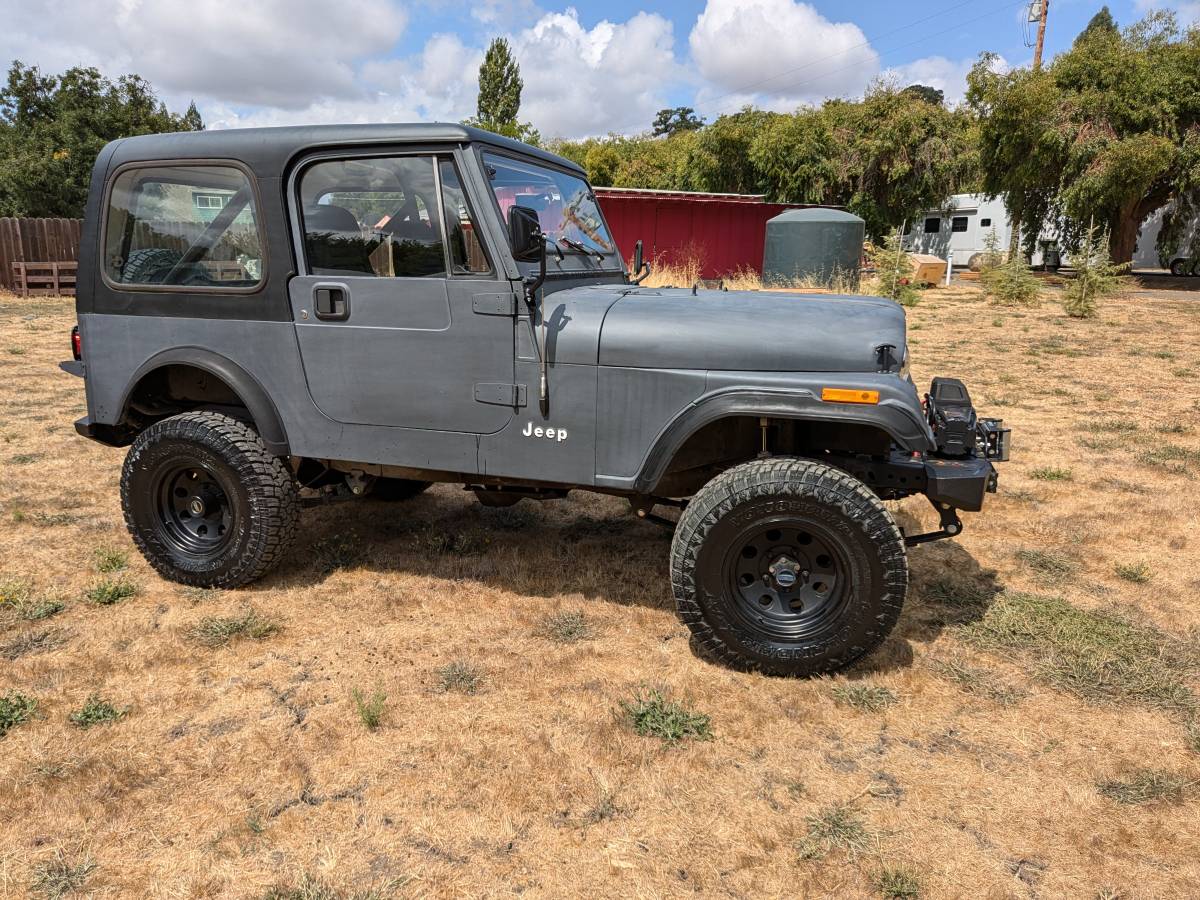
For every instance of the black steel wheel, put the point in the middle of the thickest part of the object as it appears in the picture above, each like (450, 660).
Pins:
(788, 566)
(206, 502)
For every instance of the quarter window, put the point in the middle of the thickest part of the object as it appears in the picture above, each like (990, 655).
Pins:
(376, 217)
(958, 224)
(466, 251)
(188, 226)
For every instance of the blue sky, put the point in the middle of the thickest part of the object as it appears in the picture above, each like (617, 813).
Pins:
(589, 68)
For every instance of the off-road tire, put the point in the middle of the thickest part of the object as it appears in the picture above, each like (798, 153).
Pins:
(150, 265)
(796, 494)
(396, 490)
(261, 496)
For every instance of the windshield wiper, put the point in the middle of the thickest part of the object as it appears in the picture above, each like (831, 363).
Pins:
(580, 247)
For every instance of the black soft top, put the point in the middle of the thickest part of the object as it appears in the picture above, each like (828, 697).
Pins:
(267, 151)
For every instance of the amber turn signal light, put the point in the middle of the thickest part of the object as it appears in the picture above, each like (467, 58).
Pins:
(849, 395)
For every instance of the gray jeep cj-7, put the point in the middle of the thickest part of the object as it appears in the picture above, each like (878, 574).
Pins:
(273, 315)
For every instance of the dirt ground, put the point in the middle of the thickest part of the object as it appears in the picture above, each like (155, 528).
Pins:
(1029, 730)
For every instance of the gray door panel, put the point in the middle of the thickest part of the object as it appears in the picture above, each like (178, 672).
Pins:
(410, 353)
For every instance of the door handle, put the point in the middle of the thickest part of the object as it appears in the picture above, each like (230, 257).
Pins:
(331, 303)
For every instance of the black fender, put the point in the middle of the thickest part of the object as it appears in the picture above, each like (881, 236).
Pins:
(266, 418)
(903, 424)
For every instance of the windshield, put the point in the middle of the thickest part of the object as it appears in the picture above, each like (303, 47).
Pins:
(565, 205)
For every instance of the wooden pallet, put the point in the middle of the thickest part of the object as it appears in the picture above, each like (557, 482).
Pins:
(45, 278)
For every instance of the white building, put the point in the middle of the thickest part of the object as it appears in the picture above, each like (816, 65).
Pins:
(962, 228)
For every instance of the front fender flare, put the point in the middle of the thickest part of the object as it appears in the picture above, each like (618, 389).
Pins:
(267, 421)
(897, 419)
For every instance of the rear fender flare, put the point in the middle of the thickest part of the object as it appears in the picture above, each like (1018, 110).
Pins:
(893, 417)
(266, 418)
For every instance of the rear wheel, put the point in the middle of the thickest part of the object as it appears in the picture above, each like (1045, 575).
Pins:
(789, 567)
(206, 502)
(1180, 267)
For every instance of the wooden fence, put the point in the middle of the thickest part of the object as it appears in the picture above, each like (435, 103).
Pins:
(36, 241)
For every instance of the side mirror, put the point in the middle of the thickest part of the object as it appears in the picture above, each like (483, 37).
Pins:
(525, 233)
(641, 269)
(637, 256)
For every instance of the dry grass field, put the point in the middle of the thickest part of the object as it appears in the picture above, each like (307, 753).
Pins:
(436, 699)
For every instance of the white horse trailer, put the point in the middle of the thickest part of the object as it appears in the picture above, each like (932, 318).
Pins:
(961, 230)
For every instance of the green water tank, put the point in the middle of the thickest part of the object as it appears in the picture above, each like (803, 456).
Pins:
(822, 246)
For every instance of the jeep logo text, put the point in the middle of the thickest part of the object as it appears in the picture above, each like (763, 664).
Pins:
(550, 434)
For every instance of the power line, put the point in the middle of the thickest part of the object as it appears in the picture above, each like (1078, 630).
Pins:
(883, 54)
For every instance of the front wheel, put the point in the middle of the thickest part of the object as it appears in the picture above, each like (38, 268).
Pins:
(206, 502)
(789, 567)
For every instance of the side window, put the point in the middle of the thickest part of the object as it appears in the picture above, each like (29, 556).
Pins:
(190, 226)
(985, 223)
(958, 224)
(933, 226)
(466, 250)
(372, 217)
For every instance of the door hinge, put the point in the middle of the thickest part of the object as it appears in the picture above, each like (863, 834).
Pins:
(494, 304)
(501, 394)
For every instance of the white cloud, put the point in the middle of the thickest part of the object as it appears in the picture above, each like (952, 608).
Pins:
(947, 75)
(777, 53)
(1188, 11)
(581, 81)
(270, 52)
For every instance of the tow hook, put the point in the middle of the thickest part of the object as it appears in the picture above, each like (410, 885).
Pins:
(952, 526)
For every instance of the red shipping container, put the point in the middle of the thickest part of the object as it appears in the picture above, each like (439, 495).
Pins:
(723, 232)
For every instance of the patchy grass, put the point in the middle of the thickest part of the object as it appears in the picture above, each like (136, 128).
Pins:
(27, 643)
(978, 681)
(371, 708)
(1137, 572)
(1148, 786)
(566, 627)
(61, 875)
(652, 714)
(835, 828)
(218, 631)
(460, 676)
(1097, 656)
(1053, 566)
(897, 884)
(1050, 473)
(15, 709)
(109, 560)
(96, 711)
(110, 591)
(18, 595)
(864, 697)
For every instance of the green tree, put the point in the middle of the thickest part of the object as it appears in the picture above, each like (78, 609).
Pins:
(499, 101)
(1110, 131)
(1096, 275)
(670, 121)
(53, 126)
(926, 93)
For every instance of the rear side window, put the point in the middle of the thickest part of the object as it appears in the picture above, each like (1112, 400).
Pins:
(932, 226)
(958, 224)
(374, 217)
(185, 226)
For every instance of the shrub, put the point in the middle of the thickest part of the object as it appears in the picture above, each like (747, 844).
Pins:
(834, 828)
(460, 676)
(894, 270)
(566, 627)
(1008, 282)
(1096, 276)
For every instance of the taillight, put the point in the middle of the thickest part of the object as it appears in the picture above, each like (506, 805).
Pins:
(76, 343)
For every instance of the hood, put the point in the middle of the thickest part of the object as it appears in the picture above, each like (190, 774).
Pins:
(751, 331)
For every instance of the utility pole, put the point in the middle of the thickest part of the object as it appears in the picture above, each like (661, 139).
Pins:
(1041, 38)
